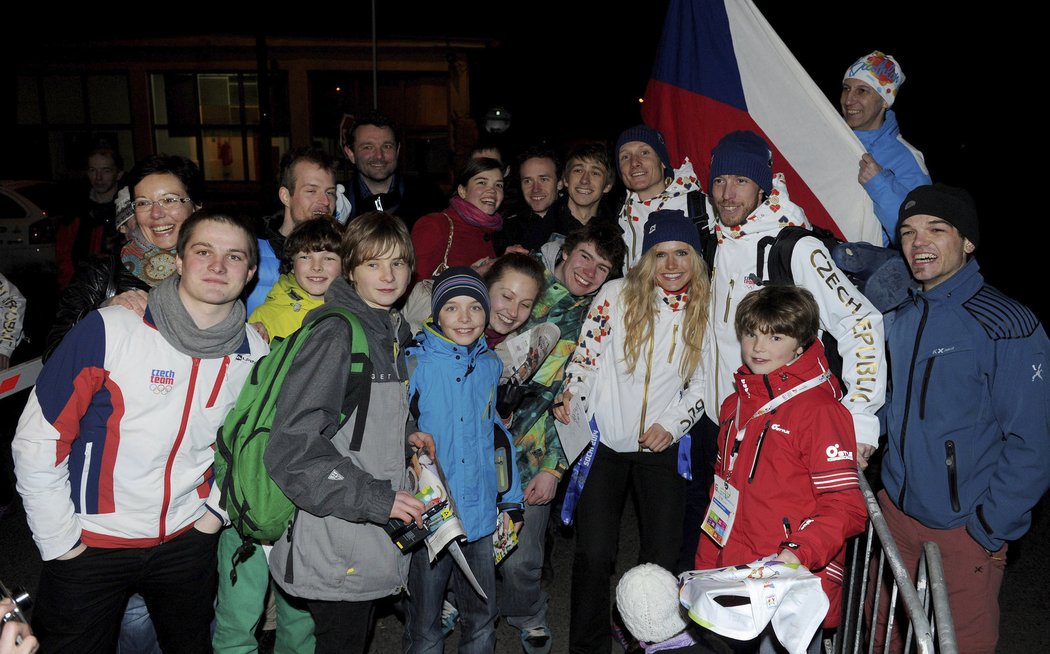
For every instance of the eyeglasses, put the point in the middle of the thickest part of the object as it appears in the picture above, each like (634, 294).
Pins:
(170, 202)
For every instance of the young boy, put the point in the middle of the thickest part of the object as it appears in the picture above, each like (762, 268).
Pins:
(588, 177)
(785, 468)
(453, 388)
(337, 555)
(309, 265)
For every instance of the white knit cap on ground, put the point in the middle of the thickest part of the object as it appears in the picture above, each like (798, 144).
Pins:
(647, 598)
(788, 596)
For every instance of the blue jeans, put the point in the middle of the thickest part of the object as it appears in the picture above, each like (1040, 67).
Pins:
(426, 591)
(524, 602)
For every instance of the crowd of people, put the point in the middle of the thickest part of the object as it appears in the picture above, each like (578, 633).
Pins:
(735, 410)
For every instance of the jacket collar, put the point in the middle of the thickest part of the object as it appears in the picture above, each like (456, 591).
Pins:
(776, 213)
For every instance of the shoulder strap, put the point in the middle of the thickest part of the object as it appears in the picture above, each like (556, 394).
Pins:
(359, 373)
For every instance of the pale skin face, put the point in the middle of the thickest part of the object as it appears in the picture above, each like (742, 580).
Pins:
(313, 195)
(160, 224)
(861, 105)
(315, 271)
(484, 190)
(511, 298)
(641, 169)
(374, 154)
(763, 353)
(587, 183)
(584, 270)
(214, 269)
(539, 184)
(103, 175)
(933, 248)
(381, 281)
(462, 320)
(674, 265)
(735, 198)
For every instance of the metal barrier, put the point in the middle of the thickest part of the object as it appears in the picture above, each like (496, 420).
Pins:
(929, 627)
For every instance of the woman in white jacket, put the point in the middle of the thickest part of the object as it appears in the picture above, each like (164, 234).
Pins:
(637, 367)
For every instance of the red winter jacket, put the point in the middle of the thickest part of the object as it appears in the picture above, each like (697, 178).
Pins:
(430, 238)
(796, 472)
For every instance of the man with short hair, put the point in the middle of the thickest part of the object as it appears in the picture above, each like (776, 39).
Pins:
(750, 204)
(92, 230)
(968, 455)
(892, 167)
(588, 177)
(307, 192)
(652, 184)
(532, 225)
(585, 261)
(372, 146)
(114, 451)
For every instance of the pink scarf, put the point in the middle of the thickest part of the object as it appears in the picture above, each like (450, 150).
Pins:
(476, 217)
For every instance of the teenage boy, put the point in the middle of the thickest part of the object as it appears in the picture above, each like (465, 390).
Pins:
(588, 178)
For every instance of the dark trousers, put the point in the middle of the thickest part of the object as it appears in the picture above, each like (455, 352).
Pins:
(660, 496)
(704, 435)
(341, 626)
(80, 601)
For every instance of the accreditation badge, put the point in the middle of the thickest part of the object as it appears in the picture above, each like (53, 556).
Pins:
(718, 521)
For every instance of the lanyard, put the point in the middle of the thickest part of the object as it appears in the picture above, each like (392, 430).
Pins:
(768, 407)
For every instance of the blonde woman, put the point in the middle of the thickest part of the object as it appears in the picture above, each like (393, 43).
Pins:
(637, 366)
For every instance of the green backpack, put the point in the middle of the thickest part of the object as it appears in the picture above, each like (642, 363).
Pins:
(256, 505)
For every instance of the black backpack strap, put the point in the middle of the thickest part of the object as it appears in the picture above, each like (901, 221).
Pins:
(696, 209)
(765, 243)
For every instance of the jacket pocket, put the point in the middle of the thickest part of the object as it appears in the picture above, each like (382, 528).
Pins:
(953, 480)
(925, 386)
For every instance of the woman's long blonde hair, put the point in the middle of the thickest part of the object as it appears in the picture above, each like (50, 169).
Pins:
(641, 299)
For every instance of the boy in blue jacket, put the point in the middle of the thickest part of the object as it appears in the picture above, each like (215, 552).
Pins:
(453, 390)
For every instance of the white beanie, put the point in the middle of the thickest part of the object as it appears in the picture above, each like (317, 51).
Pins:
(647, 598)
(879, 71)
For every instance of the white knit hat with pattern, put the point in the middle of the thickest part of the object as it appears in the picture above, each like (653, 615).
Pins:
(647, 598)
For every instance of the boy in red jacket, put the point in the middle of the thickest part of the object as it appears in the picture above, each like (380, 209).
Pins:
(785, 476)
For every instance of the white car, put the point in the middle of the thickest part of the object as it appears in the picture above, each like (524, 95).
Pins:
(27, 232)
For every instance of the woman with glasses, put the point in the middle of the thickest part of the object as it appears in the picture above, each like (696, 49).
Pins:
(162, 191)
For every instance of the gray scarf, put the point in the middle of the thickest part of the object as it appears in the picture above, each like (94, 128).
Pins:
(177, 327)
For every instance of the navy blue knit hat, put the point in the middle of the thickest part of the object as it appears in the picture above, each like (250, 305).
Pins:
(670, 225)
(456, 281)
(650, 137)
(745, 154)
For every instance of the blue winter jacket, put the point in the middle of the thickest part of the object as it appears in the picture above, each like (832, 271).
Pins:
(967, 409)
(454, 389)
(903, 169)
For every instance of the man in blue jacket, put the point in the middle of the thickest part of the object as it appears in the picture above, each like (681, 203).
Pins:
(892, 167)
(966, 414)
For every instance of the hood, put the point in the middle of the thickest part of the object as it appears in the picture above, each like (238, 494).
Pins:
(288, 292)
(777, 212)
(756, 390)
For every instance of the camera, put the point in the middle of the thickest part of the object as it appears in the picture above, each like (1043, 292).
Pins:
(21, 600)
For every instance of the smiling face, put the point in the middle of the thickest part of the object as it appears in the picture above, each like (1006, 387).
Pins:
(462, 320)
(862, 107)
(763, 353)
(214, 266)
(933, 248)
(373, 152)
(584, 270)
(674, 265)
(382, 280)
(641, 169)
(735, 198)
(539, 183)
(484, 191)
(315, 271)
(587, 182)
(159, 224)
(511, 298)
(313, 195)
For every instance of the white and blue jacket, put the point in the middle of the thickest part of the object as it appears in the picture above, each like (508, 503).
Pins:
(903, 169)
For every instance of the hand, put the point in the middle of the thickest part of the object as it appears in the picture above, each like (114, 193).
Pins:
(208, 523)
(864, 452)
(542, 488)
(788, 556)
(73, 553)
(407, 508)
(656, 439)
(481, 266)
(868, 168)
(5, 362)
(420, 440)
(517, 248)
(561, 407)
(132, 300)
(261, 329)
(16, 638)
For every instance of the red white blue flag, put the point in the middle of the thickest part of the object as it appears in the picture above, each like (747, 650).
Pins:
(720, 67)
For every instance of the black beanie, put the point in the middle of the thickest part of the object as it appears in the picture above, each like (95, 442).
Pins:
(952, 205)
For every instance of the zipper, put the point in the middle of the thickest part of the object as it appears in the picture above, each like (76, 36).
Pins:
(85, 472)
(674, 340)
(729, 297)
(758, 451)
(925, 385)
(218, 382)
(175, 449)
(907, 397)
(645, 393)
(953, 479)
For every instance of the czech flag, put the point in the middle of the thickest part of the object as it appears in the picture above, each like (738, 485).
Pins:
(720, 67)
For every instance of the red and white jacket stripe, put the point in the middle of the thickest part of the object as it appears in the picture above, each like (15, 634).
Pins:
(116, 444)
